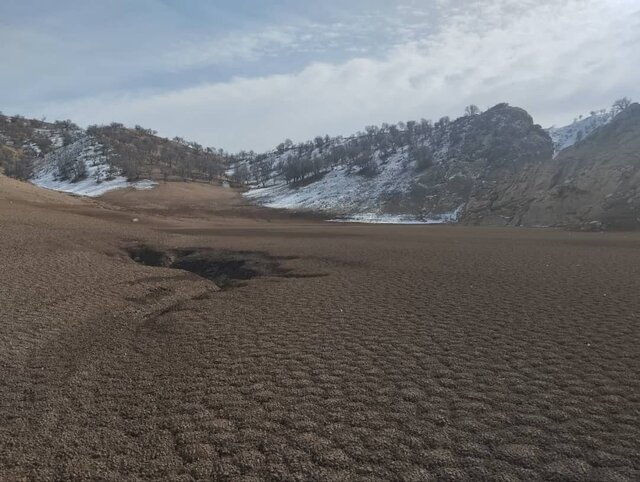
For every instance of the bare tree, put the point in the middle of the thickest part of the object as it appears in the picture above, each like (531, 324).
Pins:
(620, 105)
(241, 174)
(471, 109)
(443, 122)
(264, 171)
(423, 157)
(261, 169)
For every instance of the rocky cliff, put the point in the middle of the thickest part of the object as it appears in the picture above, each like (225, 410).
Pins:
(479, 157)
(594, 183)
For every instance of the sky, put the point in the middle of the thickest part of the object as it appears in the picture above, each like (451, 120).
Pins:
(246, 74)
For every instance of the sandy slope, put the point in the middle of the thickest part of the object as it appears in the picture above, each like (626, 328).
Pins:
(12, 190)
(384, 352)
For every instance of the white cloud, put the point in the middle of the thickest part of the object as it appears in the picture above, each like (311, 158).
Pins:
(235, 46)
(351, 33)
(556, 59)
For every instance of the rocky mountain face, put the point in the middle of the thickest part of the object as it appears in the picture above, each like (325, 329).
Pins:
(592, 184)
(475, 157)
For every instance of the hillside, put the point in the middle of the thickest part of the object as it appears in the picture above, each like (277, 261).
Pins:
(64, 157)
(22, 141)
(14, 191)
(492, 168)
(419, 172)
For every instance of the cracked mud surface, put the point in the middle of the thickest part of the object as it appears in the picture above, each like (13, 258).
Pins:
(421, 353)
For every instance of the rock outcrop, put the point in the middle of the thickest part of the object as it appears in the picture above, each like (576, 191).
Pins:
(591, 185)
(594, 183)
(482, 160)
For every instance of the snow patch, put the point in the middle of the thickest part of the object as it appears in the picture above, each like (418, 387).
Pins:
(341, 190)
(567, 136)
(89, 186)
(374, 218)
(100, 177)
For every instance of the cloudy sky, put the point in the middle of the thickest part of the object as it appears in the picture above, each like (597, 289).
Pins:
(245, 74)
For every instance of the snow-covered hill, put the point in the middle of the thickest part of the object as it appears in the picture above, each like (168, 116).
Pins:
(352, 196)
(82, 168)
(60, 156)
(340, 190)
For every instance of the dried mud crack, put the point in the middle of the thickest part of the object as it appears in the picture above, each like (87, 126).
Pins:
(227, 269)
(448, 353)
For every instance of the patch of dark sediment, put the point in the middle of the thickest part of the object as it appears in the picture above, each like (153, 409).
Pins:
(227, 269)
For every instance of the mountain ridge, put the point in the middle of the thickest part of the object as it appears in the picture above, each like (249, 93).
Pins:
(496, 167)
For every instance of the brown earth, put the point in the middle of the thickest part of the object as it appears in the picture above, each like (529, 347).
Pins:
(342, 352)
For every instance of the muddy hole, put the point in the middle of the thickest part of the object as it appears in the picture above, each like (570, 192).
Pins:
(227, 269)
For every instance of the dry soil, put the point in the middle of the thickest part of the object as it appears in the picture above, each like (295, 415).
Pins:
(297, 349)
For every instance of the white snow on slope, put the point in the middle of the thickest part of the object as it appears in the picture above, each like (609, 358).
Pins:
(89, 186)
(340, 191)
(567, 136)
(56, 137)
(350, 196)
(100, 176)
(372, 218)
